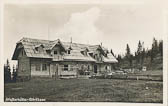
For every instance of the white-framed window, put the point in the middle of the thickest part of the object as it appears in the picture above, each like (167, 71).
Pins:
(55, 52)
(65, 67)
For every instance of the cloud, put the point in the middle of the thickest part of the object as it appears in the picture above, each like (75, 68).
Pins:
(81, 26)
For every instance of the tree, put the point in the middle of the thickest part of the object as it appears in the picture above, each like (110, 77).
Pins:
(128, 52)
(161, 47)
(143, 54)
(119, 58)
(14, 74)
(130, 60)
(7, 63)
(139, 51)
(155, 47)
(129, 57)
(7, 72)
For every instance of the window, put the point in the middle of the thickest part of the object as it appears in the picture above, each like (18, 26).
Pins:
(106, 67)
(36, 50)
(37, 67)
(91, 54)
(88, 67)
(65, 67)
(55, 52)
(84, 53)
(44, 67)
(69, 51)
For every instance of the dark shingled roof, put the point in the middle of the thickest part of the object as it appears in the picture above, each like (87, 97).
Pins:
(30, 46)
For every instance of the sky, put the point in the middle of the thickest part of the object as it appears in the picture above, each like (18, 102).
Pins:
(113, 25)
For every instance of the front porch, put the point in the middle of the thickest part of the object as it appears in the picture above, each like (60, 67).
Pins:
(80, 71)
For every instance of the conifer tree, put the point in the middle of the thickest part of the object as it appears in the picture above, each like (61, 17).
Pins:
(7, 72)
(129, 56)
(128, 52)
(139, 51)
(161, 47)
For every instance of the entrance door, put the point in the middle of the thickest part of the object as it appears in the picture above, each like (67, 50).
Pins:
(95, 68)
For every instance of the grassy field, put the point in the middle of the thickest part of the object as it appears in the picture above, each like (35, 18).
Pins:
(92, 90)
(152, 72)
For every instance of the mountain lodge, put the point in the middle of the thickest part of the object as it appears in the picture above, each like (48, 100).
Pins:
(60, 59)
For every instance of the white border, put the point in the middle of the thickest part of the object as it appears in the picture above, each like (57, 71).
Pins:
(165, 57)
(1, 53)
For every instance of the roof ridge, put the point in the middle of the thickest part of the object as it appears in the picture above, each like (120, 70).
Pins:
(81, 44)
(37, 39)
(57, 40)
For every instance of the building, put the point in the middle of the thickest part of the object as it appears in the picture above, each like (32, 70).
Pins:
(61, 59)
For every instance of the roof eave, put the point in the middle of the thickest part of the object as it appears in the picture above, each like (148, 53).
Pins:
(15, 54)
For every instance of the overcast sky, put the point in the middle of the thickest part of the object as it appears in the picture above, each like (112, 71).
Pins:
(113, 25)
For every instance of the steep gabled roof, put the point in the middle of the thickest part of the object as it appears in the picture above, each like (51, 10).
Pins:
(76, 55)
(110, 58)
(29, 46)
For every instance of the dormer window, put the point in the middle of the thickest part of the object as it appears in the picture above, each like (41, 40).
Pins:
(55, 52)
(48, 51)
(82, 52)
(91, 54)
(69, 51)
(36, 48)
(85, 53)
(39, 48)
(95, 56)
